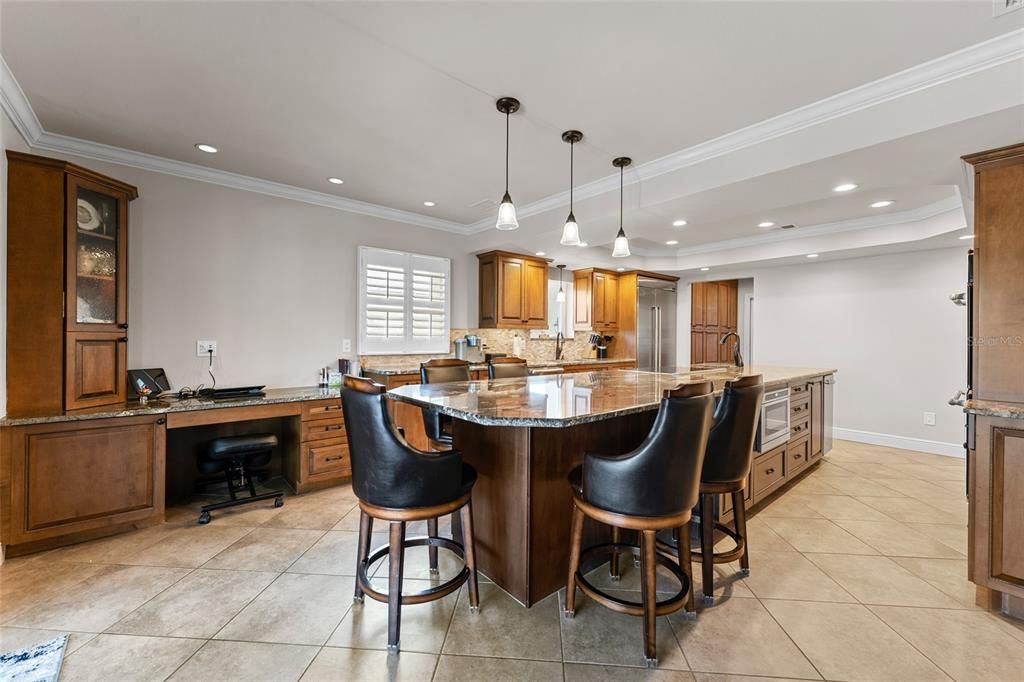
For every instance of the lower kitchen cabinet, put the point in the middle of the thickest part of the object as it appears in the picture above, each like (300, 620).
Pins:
(323, 450)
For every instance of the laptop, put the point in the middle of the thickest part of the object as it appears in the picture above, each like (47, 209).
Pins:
(233, 392)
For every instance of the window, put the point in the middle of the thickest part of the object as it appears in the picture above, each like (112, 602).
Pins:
(404, 302)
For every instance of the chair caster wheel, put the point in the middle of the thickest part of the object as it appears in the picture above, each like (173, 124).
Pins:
(744, 572)
(690, 615)
(569, 614)
(278, 501)
(651, 662)
(615, 578)
(474, 609)
(204, 518)
(434, 571)
(708, 600)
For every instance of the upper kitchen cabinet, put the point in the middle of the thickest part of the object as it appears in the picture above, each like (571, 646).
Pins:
(513, 291)
(67, 283)
(597, 300)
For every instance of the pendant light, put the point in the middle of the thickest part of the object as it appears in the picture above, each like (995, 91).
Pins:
(560, 296)
(621, 248)
(571, 231)
(507, 210)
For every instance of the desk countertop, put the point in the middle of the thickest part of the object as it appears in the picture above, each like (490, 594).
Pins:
(170, 404)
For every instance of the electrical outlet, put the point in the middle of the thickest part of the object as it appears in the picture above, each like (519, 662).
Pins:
(203, 348)
(346, 345)
(929, 419)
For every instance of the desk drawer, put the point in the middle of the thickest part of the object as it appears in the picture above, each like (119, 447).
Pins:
(800, 428)
(797, 455)
(321, 409)
(800, 407)
(798, 390)
(327, 457)
(769, 473)
(323, 428)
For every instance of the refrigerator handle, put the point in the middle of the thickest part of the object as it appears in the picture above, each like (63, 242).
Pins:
(654, 338)
(657, 335)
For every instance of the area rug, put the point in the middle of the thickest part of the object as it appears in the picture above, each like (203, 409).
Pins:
(37, 663)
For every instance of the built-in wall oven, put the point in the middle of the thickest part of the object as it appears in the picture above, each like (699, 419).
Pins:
(774, 430)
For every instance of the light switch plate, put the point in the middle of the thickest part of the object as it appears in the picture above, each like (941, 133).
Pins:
(346, 345)
(929, 419)
(203, 348)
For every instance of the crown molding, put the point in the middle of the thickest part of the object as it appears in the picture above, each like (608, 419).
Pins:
(15, 104)
(979, 57)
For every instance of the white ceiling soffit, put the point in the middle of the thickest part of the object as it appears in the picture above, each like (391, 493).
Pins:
(955, 67)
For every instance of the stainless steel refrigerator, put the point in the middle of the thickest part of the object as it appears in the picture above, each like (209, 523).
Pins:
(656, 325)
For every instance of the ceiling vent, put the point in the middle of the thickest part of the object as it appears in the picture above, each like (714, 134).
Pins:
(787, 227)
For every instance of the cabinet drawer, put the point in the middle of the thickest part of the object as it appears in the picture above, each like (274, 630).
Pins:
(323, 428)
(321, 409)
(769, 473)
(329, 457)
(800, 407)
(797, 456)
(798, 390)
(800, 428)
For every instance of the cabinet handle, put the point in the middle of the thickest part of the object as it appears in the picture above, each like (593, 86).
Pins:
(161, 420)
(331, 408)
(333, 459)
(797, 455)
(123, 339)
(336, 427)
(797, 429)
(123, 325)
(770, 471)
(799, 408)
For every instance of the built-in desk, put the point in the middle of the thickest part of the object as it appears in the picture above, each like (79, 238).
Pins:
(71, 476)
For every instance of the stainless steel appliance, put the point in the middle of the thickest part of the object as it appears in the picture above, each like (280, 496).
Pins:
(827, 406)
(774, 430)
(656, 325)
(967, 299)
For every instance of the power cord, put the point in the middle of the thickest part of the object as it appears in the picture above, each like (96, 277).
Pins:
(209, 368)
(187, 392)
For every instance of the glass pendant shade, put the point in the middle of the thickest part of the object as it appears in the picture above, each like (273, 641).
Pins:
(507, 214)
(571, 232)
(621, 248)
(560, 296)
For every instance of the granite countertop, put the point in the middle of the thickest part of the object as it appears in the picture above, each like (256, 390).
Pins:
(563, 400)
(172, 404)
(994, 408)
(389, 369)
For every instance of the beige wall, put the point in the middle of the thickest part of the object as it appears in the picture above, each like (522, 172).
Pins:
(272, 281)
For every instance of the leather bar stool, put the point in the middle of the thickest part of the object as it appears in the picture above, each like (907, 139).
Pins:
(397, 483)
(649, 489)
(239, 460)
(726, 471)
(437, 426)
(507, 368)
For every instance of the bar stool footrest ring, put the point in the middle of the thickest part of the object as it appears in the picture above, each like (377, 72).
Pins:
(662, 608)
(431, 594)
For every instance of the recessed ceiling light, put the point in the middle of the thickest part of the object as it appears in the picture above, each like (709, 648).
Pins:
(336, 181)
(766, 223)
(672, 242)
(208, 148)
(540, 253)
(812, 255)
(678, 223)
(584, 244)
(704, 269)
(845, 187)
(882, 204)
(621, 269)
(428, 204)
(967, 236)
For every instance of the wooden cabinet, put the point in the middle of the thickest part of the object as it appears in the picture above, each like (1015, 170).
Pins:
(323, 451)
(78, 476)
(67, 282)
(513, 291)
(596, 300)
(996, 534)
(713, 313)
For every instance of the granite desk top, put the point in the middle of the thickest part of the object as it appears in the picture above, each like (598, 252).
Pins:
(562, 400)
(172, 404)
(391, 368)
(993, 408)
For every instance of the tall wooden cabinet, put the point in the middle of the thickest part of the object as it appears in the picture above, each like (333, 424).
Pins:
(713, 313)
(513, 291)
(67, 286)
(597, 300)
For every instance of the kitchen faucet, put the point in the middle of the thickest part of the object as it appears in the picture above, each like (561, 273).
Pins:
(559, 344)
(737, 356)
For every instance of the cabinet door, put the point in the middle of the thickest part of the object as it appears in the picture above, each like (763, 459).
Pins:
(581, 285)
(97, 257)
(611, 301)
(511, 308)
(94, 369)
(597, 300)
(535, 294)
(84, 475)
(697, 304)
(488, 294)
(817, 413)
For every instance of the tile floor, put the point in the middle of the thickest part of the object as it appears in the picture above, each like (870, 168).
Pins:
(857, 574)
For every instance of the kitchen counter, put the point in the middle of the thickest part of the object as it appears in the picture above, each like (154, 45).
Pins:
(993, 408)
(558, 401)
(393, 368)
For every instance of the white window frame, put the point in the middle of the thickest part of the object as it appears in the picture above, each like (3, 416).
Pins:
(405, 343)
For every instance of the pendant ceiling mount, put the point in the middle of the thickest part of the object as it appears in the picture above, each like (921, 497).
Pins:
(571, 231)
(507, 210)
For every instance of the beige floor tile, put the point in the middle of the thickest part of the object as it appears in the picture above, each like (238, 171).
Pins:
(829, 470)
(880, 580)
(714, 677)
(956, 507)
(349, 521)
(473, 668)
(26, 584)
(599, 635)
(916, 488)
(128, 657)
(848, 642)
(872, 470)
(840, 507)
(115, 549)
(333, 554)
(243, 516)
(424, 626)
(955, 536)
(893, 538)
(102, 600)
(817, 535)
(933, 472)
(188, 547)
(12, 639)
(761, 537)
(813, 485)
(504, 628)
(585, 672)
(417, 566)
(855, 485)
(791, 506)
(198, 605)
(222, 661)
(948, 575)
(333, 665)
(956, 487)
(788, 575)
(314, 513)
(909, 510)
(739, 636)
(968, 645)
(266, 549)
(295, 609)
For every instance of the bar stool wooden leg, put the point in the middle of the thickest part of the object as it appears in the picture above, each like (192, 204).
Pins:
(457, 528)
(575, 545)
(613, 565)
(396, 555)
(685, 561)
(740, 515)
(466, 515)
(707, 546)
(432, 551)
(363, 549)
(649, 592)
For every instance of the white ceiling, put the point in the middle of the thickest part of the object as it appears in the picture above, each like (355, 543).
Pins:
(398, 99)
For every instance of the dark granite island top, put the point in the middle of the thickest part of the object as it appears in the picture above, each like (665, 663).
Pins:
(563, 400)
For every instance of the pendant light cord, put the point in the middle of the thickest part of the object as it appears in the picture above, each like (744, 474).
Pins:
(506, 151)
(572, 162)
(621, 171)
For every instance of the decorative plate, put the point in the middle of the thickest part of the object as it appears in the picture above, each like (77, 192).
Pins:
(88, 216)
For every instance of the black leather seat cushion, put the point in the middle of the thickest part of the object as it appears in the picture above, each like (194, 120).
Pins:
(233, 446)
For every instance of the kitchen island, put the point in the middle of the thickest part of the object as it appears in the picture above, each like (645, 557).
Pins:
(523, 436)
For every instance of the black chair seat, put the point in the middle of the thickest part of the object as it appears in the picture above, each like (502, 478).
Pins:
(232, 446)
